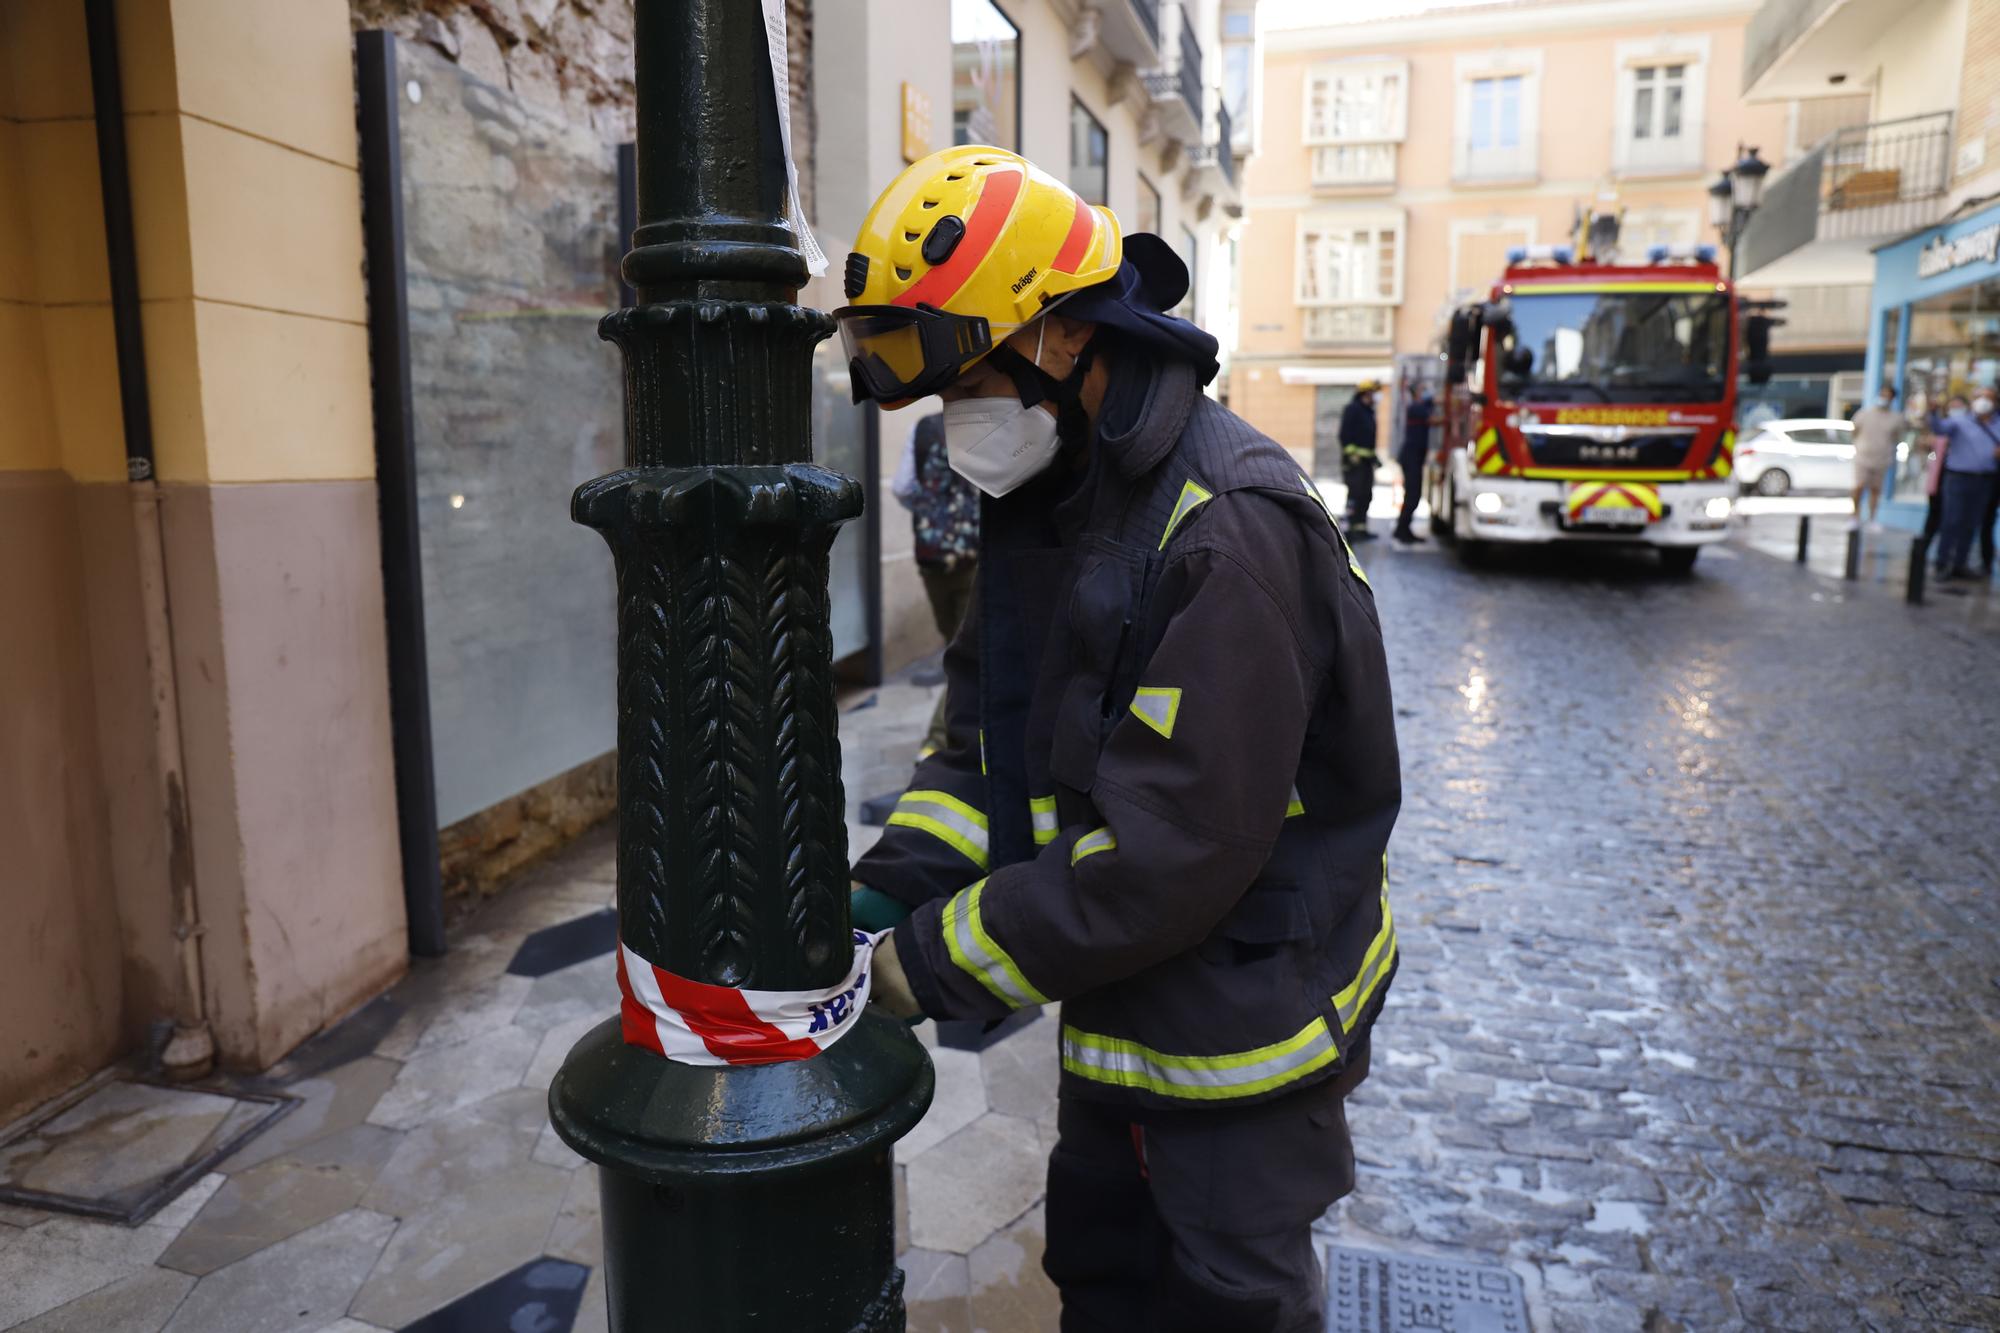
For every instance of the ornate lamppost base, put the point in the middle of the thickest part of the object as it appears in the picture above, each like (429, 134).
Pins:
(734, 1196)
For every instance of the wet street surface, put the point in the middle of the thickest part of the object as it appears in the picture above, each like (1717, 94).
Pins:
(1698, 889)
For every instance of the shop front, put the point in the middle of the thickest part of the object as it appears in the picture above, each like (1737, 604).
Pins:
(1934, 331)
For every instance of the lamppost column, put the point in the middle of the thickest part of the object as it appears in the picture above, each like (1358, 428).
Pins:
(735, 1196)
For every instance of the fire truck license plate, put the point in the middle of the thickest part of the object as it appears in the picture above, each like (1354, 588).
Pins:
(1605, 516)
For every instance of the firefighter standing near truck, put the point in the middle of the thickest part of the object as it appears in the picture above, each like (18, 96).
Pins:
(1358, 458)
(1171, 803)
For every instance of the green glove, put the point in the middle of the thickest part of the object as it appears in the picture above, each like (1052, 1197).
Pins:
(873, 910)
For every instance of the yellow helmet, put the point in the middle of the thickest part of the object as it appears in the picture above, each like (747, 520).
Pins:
(962, 249)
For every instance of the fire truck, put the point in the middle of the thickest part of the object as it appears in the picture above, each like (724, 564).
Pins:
(1592, 400)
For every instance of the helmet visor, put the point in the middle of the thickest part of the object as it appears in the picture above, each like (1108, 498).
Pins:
(901, 352)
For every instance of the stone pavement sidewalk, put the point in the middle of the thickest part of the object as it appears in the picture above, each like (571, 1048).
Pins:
(420, 1167)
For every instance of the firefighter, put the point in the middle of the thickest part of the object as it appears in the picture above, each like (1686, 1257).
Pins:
(1358, 458)
(1173, 766)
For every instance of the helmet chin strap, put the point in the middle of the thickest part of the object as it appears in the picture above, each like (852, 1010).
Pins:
(1035, 386)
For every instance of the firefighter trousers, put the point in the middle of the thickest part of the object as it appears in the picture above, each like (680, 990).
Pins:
(1196, 1221)
(1360, 480)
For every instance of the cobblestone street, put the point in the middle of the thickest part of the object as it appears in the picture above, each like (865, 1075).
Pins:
(1696, 892)
(1699, 888)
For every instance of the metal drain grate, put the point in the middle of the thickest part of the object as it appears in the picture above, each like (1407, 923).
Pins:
(121, 1148)
(1370, 1292)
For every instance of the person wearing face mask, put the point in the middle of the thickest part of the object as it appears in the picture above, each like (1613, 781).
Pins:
(1971, 462)
(1878, 429)
(1173, 810)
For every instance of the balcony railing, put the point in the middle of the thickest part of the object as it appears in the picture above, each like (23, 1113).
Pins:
(1885, 178)
(1225, 139)
(1189, 71)
(1349, 166)
(1349, 325)
(1148, 12)
(1176, 87)
(1865, 181)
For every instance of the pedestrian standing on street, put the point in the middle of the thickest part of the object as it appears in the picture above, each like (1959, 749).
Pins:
(1410, 458)
(1174, 816)
(1878, 429)
(1358, 457)
(1955, 406)
(944, 517)
(1971, 462)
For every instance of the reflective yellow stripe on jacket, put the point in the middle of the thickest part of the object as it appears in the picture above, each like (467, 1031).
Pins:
(977, 953)
(1128, 1064)
(1375, 965)
(948, 819)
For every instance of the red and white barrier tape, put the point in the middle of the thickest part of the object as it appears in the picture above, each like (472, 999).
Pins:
(699, 1024)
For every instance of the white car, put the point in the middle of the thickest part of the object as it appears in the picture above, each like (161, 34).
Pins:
(1797, 454)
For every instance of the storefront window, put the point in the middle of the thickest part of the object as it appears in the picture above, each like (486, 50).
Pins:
(985, 75)
(1954, 349)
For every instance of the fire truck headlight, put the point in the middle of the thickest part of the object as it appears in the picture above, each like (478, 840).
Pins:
(1488, 502)
(1718, 508)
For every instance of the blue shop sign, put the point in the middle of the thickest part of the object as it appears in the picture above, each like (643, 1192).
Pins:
(1941, 259)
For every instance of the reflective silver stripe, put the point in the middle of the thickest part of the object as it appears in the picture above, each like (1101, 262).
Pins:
(948, 819)
(1295, 806)
(977, 954)
(1097, 840)
(1042, 813)
(1128, 1064)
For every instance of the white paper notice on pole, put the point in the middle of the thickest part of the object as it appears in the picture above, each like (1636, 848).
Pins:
(781, 80)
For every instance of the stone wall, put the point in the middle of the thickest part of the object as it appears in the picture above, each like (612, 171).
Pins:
(575, 55)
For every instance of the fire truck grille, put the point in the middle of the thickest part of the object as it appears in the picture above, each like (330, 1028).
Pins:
(1640, 452)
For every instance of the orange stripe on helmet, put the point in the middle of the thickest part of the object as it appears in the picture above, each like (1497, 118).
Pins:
(989, 215)
(1081, 228)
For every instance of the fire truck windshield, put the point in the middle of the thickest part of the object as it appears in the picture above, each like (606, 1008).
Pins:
(1629, 346)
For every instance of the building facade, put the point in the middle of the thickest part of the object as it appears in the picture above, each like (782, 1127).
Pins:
(193, 694)
(1401, 160)
(1893, 209)
(253, 727)
(1137, 104)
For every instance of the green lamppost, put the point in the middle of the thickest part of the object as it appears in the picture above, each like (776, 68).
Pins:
(734, 1196)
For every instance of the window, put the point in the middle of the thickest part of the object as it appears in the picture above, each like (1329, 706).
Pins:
(1239, 72)
(1498, 116)
(1661, 87)
(1614, 347)
(1089, 154)
(1149, 207)
(985, 75)
(1356, 103)
(1350, 276)
(1658, 94)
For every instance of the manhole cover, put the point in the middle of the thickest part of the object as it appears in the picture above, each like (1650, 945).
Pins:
(1369, 1292)
(121, 1148)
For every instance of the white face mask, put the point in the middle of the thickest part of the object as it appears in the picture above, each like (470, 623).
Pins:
(1983, 406)
(999, 444)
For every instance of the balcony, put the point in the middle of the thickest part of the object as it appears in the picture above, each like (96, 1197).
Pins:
(1214, 163)
(1353, 167)
(1350, 326)
(1176, 85)
(1116, 32)
(1825, 213)
(1791, 48)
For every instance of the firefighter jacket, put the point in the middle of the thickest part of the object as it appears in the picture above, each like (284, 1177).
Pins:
(1175, 814)
(1357, 433)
